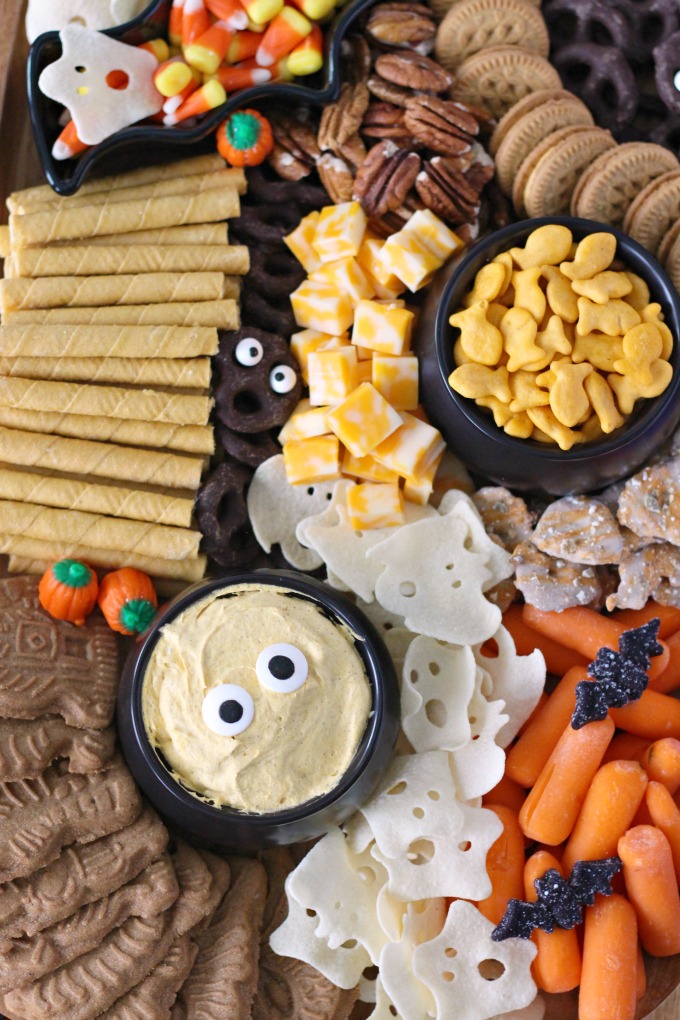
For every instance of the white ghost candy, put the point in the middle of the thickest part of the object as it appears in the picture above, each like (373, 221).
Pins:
(517, 679)
(276, 508)
(105, 84)
(437, 684)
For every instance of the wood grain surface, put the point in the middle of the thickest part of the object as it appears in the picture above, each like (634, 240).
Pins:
(20, 168)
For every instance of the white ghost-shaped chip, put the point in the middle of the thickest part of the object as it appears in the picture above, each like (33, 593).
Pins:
(342, 888)
(391, 629)
(468, 974)
(434, 581)
(498, 560)
(437, 684)
(517, 679)
(442, 866)
(297, 938)
(478, 765)
(422, 922)
(276, 508)
(384, 1008)
(86, 79)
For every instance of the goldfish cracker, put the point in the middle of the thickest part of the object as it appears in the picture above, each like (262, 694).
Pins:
(593, 255)
(479, 339)
(544, 419)
(642, 346)
(396, 379)
(367, 468)
(383, 328)
(473, 380)
(518, 329)
(374, 505)
(299, 242)
(339, 231)
(615, 318)
(604, 286)
(433, 233)
(561, 298)
(490, 281)
(407, 256)
(501, 411)
(305, 422)
(519, 425)
(547, 245)
(602, 401)
(528, 293)
(627, 392)
(597, 348)
(552, 340)
(495, 313)
(332, 375)
(411, 448)
(568, 398)
(318, 305)
(652, 313)
(526, 392)
(345, 275)
(363, 420)
(505, 259)
(311, 460)
(308, 340)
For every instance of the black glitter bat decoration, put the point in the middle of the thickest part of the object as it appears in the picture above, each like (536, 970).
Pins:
(560, 903)
(619, 677)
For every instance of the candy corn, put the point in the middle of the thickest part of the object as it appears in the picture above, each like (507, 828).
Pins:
(243, 46)
(285, 32)
(206, 98)
(315, 9)
(68, 144)
(157, 47)
(230, 11)
(195, 22)
(262, 11)
(172, 76)
(175, 22)
(307, 58)
(174, 102)
(241, 76)
(208, 51)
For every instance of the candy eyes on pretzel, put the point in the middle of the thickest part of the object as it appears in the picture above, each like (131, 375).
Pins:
(248, 352)
(228, 710)
(282, 378)
(281, 668)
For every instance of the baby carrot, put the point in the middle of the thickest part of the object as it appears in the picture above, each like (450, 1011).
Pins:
(549, 812)
(669, 680)
(653, 716)
(608, 810)
(558, 659)
(528, 755)
(504, 866)
(665, 814)
(609, 975)
(557, 966)
(626, 746)
(652, 888)
(537, 708)
(506, 792)
(640, 974)
(668, 616)
(661, 762)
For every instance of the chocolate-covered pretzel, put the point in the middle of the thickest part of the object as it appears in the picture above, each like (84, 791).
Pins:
(274, 273)
(593, 21)
(602, 77)
(264, 186)
(249, 448)
(667, 71)
(652, 21)
(265, 224)
(222, 516)
(259, 381)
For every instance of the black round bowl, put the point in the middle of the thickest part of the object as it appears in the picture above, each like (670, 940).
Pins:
(524, 464)
(144, 144)
(231, 829)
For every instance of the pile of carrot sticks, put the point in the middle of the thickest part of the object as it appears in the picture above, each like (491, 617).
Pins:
(609, 788)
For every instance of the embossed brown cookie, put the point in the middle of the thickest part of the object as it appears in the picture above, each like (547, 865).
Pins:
(197, 886)
(82, 874)
(474, 25)
(53, 668)
(654, 211)
(516, 112)
(153, 998)
(672, 261)
(499, 77)
(551, 183)
(223, 980)
(28, 746)
(616, 178)
(528, 164)
(667, 242)
(40, 816)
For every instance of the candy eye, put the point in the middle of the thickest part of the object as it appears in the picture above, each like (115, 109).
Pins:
(249, 352)
(281, 668)
(228, 710)
(282, 379)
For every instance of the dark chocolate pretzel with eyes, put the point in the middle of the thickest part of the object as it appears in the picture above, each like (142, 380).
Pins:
(259, 381)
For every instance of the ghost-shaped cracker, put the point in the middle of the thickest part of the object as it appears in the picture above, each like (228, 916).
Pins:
(478, 765)
(105, 84)
(437, 684)
(517, 679)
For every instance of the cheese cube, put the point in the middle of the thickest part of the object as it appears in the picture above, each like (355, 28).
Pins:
(366, 467)
(411, 448)
(374, 506)
(332, 375)
(305, 422)
(300, 242)
(383, 328)
(363, 420)
(346, 275)
(308, 340)
(364, 372)
(368, 259)
(311, 460)
(434, 233)
(339, 231)
(318, 305)
(406, 255)
(420, 488)
(397, 380)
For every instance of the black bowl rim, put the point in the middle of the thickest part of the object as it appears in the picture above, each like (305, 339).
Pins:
(369, 645)
(622, 438)
(66, 181)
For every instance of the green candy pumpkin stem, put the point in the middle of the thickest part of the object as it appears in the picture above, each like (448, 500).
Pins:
(137, 614)
(243, 130)
(72, 573)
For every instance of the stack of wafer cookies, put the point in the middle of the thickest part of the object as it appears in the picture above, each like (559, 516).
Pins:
(111, 303)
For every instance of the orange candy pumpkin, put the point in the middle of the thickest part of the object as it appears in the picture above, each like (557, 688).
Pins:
(245, 138)
(68, 591)
(127, 599)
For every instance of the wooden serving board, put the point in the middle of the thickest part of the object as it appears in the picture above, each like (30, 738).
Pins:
(20, 168)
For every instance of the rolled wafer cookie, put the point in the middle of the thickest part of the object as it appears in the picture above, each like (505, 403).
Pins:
(105, 401)
(116, 260)
(42, 193)
(5, 245)
(121, 217)
(195, 233)
(185, 373)
(100, 460)
(110, 559)
(47, 524)
(195, 184)
(153, 998)
(54, 341)
(29, 746)
(129, 289)
(96, 498)
(220, 314)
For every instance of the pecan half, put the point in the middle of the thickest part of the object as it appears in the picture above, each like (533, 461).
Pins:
(414, 70)
(385, 120)
(295, 150)
(396, 24)
(385, 178)
(446, 192)
(386, 90)
(482, 169)
(336, 177)
(355, 55)
(341, 120)
(440, 124)
(353, 151)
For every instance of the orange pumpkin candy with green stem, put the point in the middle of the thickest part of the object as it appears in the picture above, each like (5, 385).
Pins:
(68, 591)
(245, 138)
(127, 599)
